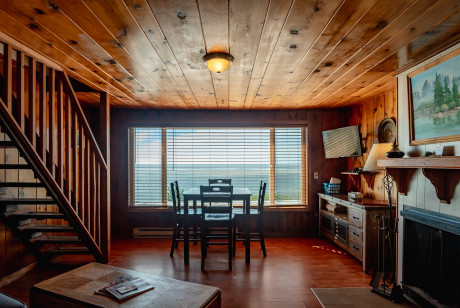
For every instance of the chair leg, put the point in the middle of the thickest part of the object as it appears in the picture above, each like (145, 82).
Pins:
(174, 242)
(261, 234)
(230, 247)
(203, 246)
(178, 230)
(195, 231)
(234, 240)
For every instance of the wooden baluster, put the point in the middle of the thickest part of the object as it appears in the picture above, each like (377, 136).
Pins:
(104, 142)
(20, 89)
(75, 160)
(81, 174)
(93, 195)
(97, 237)
(68, 148)
(8, 77)
(87, 180)
(42, 112)
(60, 135)
(32, 128)
(51, 121)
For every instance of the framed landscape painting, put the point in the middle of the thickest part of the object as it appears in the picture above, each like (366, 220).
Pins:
(434, 101)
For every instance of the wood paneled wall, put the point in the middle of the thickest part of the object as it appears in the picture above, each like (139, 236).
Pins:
(368, 114)
(278, 223)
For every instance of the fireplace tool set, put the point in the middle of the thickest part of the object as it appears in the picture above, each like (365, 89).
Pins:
(384, 277)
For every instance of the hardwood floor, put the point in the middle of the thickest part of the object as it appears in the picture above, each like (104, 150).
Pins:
(283, 279)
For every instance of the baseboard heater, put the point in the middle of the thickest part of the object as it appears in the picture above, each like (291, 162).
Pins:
(152, 232)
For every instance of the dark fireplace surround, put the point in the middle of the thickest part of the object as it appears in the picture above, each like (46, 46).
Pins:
(431, 263)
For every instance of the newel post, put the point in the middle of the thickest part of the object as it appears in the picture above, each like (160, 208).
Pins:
(104, 144)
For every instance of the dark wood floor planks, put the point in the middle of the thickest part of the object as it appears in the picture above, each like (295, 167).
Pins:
(283, 279)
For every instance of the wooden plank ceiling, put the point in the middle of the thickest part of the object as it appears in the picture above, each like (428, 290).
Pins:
(288, 54)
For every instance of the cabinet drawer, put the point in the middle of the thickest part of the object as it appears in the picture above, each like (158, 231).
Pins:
(341, 232)
(356, 249)
(355, 234)
(355, 218)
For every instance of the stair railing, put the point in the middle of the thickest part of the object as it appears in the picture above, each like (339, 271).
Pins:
(43, 116)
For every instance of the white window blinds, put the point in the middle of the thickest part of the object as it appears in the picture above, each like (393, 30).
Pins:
(288, 165)
(198, 154)
(145, 166)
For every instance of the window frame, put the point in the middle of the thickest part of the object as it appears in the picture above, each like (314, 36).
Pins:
(271, 204)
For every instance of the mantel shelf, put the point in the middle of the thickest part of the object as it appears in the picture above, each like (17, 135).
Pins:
(443, 172)
(443, 162)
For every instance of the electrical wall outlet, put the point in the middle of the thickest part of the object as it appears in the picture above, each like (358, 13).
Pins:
(316, 175)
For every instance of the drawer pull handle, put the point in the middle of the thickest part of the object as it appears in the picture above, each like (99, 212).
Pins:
(355, 248)
(354, 233)
(354, 217)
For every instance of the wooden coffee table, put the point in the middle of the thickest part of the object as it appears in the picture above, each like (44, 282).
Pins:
(76, 289)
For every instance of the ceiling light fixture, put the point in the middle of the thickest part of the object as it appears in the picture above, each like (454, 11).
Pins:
(218, 62)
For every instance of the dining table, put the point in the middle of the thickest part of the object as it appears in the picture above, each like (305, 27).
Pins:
(239, 194)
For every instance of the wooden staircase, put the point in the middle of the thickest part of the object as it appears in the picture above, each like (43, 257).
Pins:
(46, 232)
(54, 191)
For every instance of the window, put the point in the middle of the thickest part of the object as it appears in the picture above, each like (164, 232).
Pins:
(191, 156)
(146, 166)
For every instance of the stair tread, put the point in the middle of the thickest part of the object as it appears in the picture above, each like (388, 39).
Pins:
(67, 250)
(21, 184)
(14, 166)
(49, 239)
(46, 228)
(27, 201)
(7, 144)
(39, 215)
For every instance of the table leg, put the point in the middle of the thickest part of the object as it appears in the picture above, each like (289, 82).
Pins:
(195, 229)
(247, 211)
(186, 232)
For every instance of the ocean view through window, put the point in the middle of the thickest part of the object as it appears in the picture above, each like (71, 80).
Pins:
(158, 156)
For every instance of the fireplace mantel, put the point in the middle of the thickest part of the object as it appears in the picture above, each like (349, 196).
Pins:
(443, 172)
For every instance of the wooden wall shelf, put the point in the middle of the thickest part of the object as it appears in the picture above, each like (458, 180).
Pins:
(368, 177)
(443, 172)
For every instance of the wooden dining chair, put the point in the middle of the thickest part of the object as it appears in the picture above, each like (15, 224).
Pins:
(219, 182)
(216, 207)
(257, 214)
(194, 217)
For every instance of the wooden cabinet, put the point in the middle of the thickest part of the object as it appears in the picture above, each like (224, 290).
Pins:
(352, 225)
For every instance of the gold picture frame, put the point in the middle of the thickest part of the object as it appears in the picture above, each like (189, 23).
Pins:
(434, 101)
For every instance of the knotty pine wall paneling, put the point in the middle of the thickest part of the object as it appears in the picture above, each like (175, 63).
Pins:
(368, 114)
(277, 223)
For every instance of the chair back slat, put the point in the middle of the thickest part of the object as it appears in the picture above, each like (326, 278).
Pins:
(212, 194)
(219, 182)
(176, 184)
(175, 196)
(261, 199)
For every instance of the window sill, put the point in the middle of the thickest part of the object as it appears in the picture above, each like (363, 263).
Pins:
(168, 209)
(287, 208)
(152, 208)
